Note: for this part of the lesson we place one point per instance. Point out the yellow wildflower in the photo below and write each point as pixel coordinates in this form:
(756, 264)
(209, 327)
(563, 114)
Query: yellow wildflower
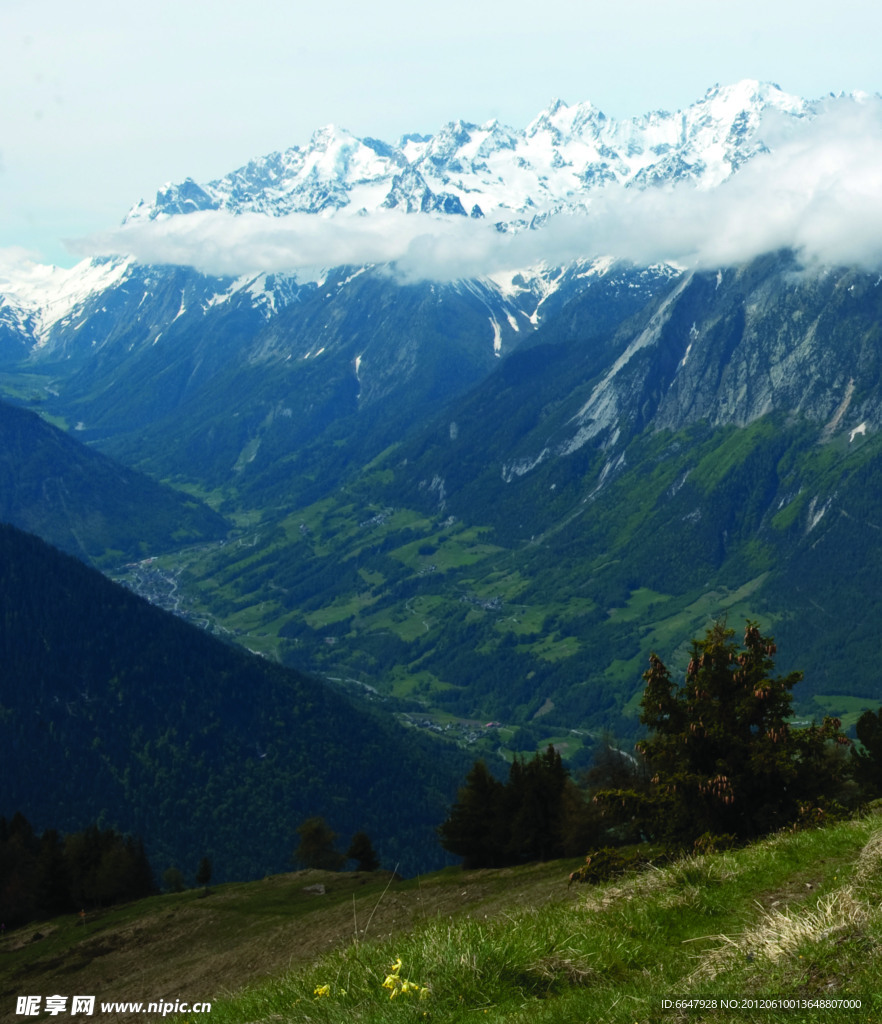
(397, 985)
(322, 990)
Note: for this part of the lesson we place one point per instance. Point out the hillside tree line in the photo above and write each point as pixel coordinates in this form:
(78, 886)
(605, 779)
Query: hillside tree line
(44, 875)
(721, 763)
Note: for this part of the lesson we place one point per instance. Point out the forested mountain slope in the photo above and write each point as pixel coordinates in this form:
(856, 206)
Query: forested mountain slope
(84, 503)
(116, 712)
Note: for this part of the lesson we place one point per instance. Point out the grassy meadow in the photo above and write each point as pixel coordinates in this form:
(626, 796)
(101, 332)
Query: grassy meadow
(795, 917)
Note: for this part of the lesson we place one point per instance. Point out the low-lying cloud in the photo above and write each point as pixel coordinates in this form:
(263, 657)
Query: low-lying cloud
(817, 190)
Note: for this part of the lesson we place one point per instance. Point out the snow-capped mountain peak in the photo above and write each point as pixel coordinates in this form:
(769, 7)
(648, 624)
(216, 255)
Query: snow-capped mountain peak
(563, 161)
(493, 170)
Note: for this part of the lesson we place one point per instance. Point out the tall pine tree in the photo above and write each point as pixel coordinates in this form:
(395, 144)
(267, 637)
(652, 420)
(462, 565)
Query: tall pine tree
(475, 827)
(723, 756)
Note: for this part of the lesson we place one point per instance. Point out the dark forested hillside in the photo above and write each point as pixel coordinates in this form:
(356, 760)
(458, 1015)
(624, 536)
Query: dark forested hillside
(112, 711)
(84, 503)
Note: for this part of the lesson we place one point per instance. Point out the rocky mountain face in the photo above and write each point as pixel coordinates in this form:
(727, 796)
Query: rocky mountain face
(718, 453)
(212, 379)
(730, 347)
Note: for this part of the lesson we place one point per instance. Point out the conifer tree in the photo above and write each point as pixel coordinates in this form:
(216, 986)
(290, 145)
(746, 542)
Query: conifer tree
(361, 850)
(51, 877)
(173, 879)
(613, 768)
(723, 756)
(474, 829)
(867, 762)
(316, 848)
(535, 795)
(537, 815)
(203, 872)
(18, 856)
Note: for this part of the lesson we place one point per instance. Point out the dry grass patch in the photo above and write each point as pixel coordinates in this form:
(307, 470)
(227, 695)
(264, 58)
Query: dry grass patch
(781, 932)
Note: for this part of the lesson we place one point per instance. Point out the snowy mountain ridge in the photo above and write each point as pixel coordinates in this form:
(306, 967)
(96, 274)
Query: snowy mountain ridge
(603, 418)
(510, 176)
(516, 179)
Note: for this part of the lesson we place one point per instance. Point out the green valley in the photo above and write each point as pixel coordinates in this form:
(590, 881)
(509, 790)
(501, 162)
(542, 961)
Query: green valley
(440, 604)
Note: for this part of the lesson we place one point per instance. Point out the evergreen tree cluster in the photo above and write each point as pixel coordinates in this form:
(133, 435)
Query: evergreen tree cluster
(154, 727)
(538, 814)
(317, 848)
(721, 763)
(49, 874)
(86, 504)
(722, 758)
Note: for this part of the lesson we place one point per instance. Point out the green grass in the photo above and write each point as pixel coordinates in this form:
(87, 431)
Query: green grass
(622, 671)
(24, 387)
(740, 443)
(640, 603)
(341, 609)
(522, 620)
(796, 916)
(553, 647)
(506, 584)
(790, 513)
(451, 550)
(687, 616)
(408, 619)
(406, 683)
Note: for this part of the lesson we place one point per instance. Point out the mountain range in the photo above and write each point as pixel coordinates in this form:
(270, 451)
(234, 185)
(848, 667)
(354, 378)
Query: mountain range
(510, 176)
(484, 496)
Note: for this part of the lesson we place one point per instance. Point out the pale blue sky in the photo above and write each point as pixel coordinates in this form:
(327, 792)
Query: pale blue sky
(101, 103)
